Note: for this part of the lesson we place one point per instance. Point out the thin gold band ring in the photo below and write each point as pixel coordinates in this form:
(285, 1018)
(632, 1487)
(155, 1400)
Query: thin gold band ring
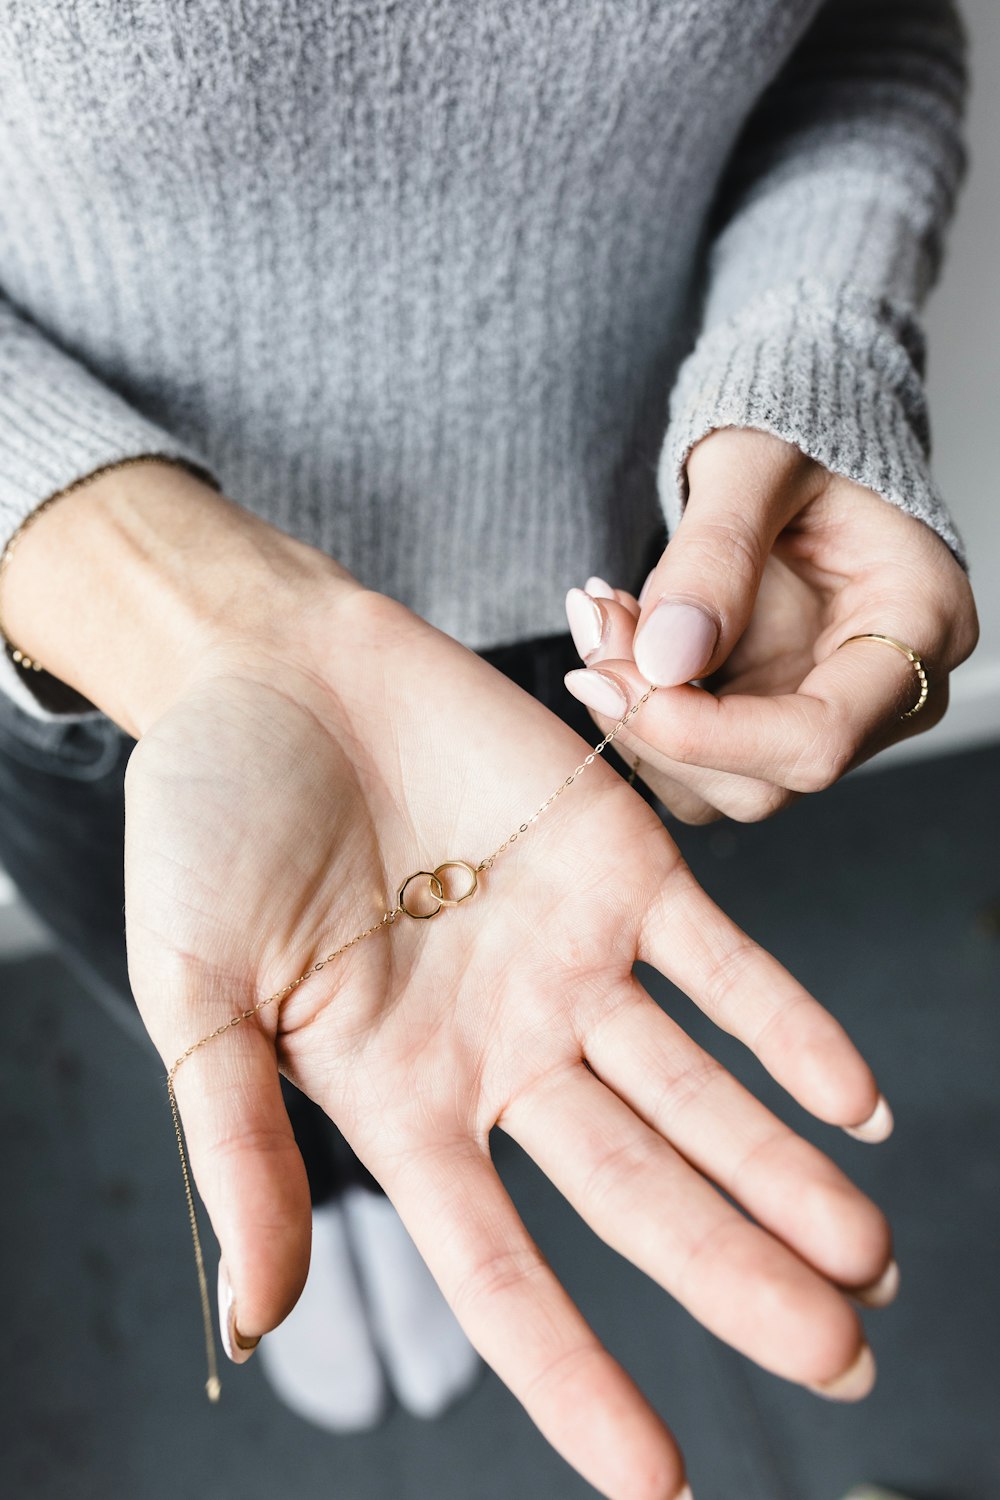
(912, 657)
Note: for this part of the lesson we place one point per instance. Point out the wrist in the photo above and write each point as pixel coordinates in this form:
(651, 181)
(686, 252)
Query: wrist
(126, 587)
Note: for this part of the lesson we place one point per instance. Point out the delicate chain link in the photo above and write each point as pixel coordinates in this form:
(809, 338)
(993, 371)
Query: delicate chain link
(213, 1385)
(487, 863)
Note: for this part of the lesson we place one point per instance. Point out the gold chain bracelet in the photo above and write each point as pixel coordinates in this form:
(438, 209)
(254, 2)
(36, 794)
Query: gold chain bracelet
(436, 886)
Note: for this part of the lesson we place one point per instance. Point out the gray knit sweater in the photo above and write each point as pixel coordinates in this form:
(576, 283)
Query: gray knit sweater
(450, 289)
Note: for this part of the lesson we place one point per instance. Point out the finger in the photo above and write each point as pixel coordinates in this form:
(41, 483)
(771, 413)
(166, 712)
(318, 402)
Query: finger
(722, 795)
(602, 622)
(644, 1200)
(602, 631)
(675, 797)
(847, 707)
(719, 1127)
(749, 994)
(719, 793)
(247, 1168)
(610, 689)
(744, 487)
(599, 588)
(524, 1324)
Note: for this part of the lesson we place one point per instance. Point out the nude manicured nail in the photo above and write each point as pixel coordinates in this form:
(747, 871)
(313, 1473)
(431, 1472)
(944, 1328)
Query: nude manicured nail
(854, 1383)
(685, 1494)
(597, 691)
(675, 644)
(599, 587)
(883, 1291)
(878, 1126)
(238, 1348)
(642, 599)
(586, 623)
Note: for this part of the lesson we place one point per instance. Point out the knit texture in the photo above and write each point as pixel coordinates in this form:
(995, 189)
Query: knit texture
(449, 291)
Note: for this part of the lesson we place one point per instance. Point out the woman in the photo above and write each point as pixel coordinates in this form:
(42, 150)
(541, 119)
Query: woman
(391, 303)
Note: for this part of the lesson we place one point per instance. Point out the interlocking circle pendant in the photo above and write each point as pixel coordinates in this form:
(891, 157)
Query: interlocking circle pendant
(459, 864)
(437, 894)
(436, 887)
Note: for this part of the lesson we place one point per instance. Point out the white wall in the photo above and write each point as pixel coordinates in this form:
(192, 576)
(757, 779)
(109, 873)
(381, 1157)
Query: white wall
(963, 324)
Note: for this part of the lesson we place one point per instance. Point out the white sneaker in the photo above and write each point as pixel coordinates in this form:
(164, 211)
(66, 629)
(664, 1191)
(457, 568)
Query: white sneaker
(321, 1361)
(428, 1359)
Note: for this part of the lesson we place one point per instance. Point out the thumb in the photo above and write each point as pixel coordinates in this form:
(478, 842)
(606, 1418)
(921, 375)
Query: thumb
(251, 1178)
(744, 487)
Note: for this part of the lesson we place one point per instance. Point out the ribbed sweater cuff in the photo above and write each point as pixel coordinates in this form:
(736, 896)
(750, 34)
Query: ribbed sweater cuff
(58, 424)
(835, 372)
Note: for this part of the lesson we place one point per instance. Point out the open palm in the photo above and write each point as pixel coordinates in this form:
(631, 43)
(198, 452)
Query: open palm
(274, 812)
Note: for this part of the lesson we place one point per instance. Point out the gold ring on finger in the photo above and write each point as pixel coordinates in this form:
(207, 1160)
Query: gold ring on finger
(913, 657)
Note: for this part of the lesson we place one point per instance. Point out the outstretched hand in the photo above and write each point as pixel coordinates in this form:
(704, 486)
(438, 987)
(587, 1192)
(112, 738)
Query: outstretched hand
(776, 563)
(273, 811)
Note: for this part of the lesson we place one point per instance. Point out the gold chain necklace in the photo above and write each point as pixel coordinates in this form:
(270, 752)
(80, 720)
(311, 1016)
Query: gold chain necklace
(435, 885)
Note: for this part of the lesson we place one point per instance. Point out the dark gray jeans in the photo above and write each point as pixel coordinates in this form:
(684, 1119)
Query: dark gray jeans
(62, 821)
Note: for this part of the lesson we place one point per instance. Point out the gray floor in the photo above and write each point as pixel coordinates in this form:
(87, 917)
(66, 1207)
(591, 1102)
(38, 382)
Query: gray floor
(882, 895)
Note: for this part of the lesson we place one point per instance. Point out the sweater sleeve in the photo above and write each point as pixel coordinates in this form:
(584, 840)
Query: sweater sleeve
(59, 423)
(826, 237)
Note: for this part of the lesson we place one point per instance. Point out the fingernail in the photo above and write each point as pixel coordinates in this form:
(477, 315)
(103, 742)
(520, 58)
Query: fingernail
(883, 1291)
(238, 1348)
(599, 587)
(586, 622)
(642, 599)
(675, 644)
(597, 691)
(854, 1383)
(878, 1126)
(685, 1494)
